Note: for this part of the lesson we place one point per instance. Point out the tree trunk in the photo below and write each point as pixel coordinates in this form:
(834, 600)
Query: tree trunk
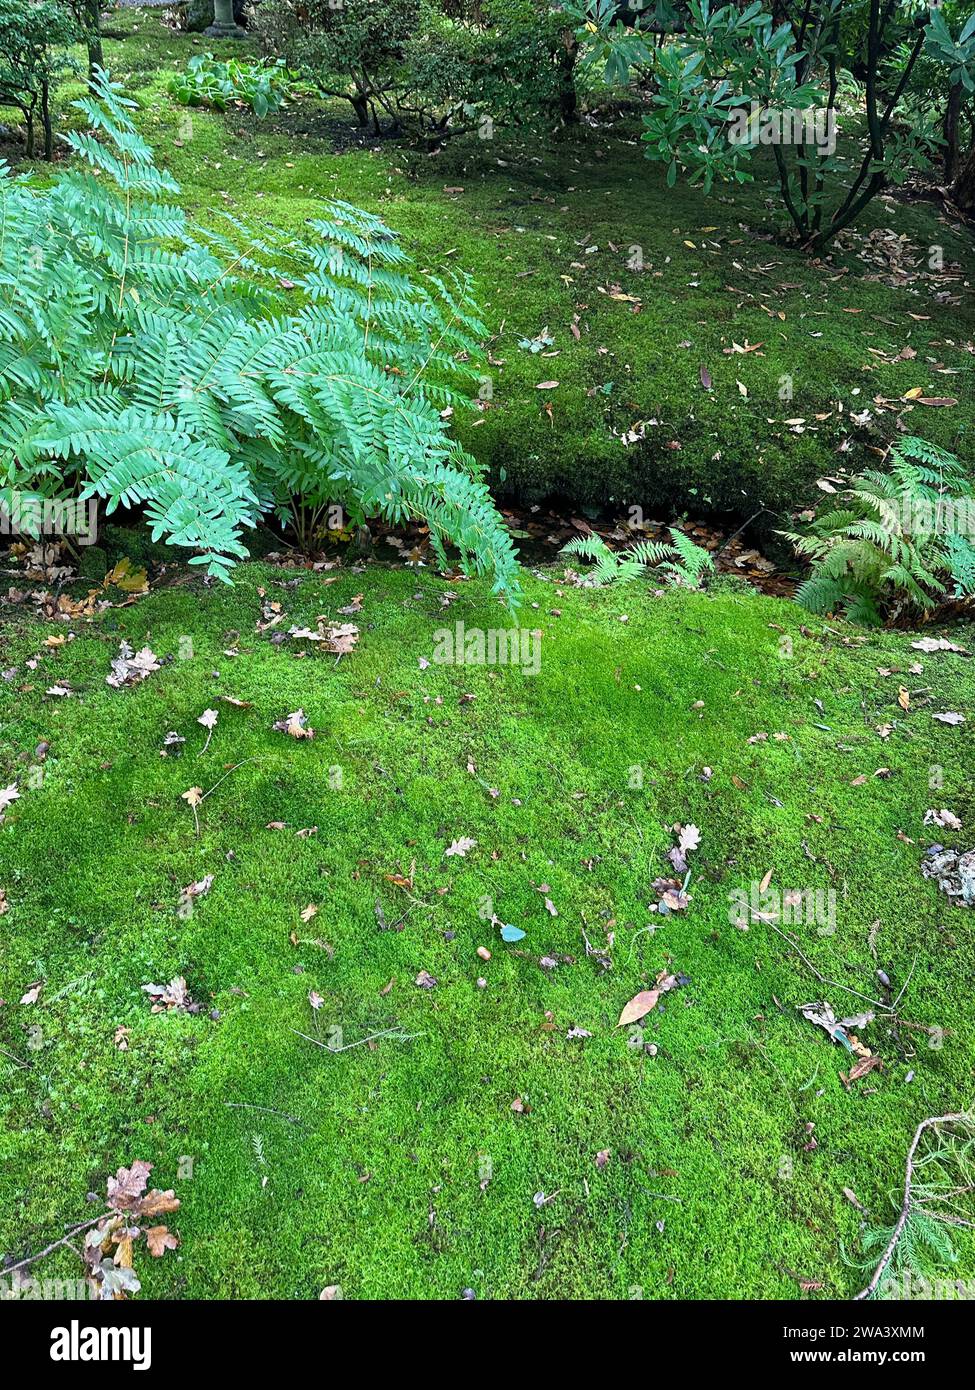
(93, 36)
(360, 105)
(963, 189)
(950, 131)
(568, 99)
(29, 121)
(46, 122)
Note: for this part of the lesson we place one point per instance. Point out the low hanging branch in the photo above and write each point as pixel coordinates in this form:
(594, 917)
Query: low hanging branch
(931, 1123)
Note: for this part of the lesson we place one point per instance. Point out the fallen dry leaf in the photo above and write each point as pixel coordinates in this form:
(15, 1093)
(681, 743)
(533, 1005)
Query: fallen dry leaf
(459, 847)
(639, 1006)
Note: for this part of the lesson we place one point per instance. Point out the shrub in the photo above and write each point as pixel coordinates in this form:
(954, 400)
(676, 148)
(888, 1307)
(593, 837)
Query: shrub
(34, 38)
(427, 70)
(350, 51)
(896, 541)
(136, 365)
(209, 82)
(510, 65)
(775, 61)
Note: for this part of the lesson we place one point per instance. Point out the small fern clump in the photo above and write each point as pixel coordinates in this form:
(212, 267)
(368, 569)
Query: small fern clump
(680, 562)
(149, 363)
(895, 541)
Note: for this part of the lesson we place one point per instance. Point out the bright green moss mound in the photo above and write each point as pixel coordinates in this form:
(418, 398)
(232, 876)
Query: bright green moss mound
(379, 1187)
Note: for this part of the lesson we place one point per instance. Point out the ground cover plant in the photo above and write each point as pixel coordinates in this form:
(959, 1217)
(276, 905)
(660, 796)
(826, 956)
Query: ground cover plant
(142, 375)
(487, 666)
(332, 903)
(208, 82)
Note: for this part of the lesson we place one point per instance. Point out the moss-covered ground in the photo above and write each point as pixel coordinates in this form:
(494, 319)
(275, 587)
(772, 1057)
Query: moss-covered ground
(403, 1168)
(505, 1137)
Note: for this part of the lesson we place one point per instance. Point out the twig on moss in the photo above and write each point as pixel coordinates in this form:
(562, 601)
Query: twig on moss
(55, 1245)
(386, 1033)
(833, 984)
(901, 1222)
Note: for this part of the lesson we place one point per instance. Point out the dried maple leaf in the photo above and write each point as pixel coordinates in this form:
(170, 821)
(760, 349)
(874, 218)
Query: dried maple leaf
(198, 889)
(175, 995)
(341, 638)
(859, 1069)
(157, 1203)
(128, 668)
(126, 1188)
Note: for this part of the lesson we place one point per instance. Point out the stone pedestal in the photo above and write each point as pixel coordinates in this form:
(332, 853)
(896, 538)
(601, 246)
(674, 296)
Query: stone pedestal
(224, 25)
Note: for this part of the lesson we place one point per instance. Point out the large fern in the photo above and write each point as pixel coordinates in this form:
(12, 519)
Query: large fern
(896, 541)
(148, 362)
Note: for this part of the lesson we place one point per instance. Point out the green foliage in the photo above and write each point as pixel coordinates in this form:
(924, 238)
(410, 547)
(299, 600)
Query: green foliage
(431, 69)
(896, 541)
(34, 38)
(939, 1205)
(680, 562)
(352, 51)
(508, 65)
(738, 75)
(207, 81)
(955, 55)
(137, 366)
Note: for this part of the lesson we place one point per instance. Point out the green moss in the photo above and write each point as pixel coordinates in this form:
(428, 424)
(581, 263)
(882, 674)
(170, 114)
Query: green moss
(379, 1186)
(401, 1169)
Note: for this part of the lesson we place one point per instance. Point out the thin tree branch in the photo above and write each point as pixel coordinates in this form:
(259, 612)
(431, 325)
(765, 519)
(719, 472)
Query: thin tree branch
(906, 1207)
